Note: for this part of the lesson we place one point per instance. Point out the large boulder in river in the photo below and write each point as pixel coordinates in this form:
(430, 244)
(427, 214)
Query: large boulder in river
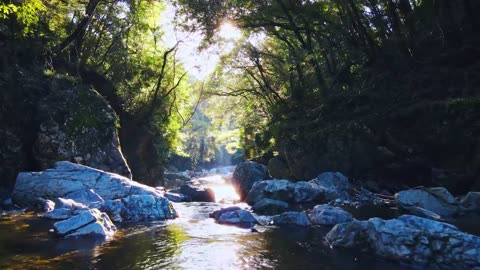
(246, 174)
(437, 200)
(325, 188)
(422, 242)
(88, 223)
(82, 182)
(282, 190)
(329, 215)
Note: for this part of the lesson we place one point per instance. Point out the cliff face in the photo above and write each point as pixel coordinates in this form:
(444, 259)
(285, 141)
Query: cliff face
(49, 118)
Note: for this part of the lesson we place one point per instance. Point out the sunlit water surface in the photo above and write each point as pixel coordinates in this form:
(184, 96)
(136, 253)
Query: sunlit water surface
(192, 241)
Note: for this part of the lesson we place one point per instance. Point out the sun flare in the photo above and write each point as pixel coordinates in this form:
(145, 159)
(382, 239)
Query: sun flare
(229, 31)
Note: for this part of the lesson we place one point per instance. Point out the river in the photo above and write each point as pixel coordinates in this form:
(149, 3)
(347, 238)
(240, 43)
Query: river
(192, 241)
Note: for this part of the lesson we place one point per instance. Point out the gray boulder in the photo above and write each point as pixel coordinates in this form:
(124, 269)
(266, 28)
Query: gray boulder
(65, 208)
(87, 197)
(136, 208)
(307, 192)
(422, 242)
(197, 194)
(471, 202)
(329, 215)
(88, 223)
(234, 216)
(268, 206)
(281, 190)
(246, 174)
(84, 183)
(437, 200)
(334, 184)
(292, 218)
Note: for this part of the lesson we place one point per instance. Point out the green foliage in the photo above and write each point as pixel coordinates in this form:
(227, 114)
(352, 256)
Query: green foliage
(26, 13)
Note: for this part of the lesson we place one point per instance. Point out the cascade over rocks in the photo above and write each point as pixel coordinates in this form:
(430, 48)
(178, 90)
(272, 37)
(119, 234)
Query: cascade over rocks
(437, 200)
(246, 174)
(422, 242)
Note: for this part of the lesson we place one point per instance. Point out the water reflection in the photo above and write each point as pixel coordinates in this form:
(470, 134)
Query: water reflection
(192, 241)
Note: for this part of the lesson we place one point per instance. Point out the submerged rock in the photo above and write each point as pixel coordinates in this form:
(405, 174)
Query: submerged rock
(329, 215)
(234, 216)
(420, 241)
(292, 218)
(268, 206)
(437, 200)
(127, 199)
(246, 174)
(88, 223)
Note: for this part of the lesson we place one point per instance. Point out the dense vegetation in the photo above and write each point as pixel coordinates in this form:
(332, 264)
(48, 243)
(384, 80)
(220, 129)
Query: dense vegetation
(380, 90)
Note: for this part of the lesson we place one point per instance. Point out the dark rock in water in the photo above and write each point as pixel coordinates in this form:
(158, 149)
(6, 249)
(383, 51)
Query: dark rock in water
(234, 216)
(175, 197)
(136, 208)
(197, 194)
(268, 206)
(471, 202)
(128, 200)
(292, 218)
(278, 168)
(246, 174)
(329, 215)
(175, 180)
(420, 241)
(437, 200)
(88, 223)
(335, 185)
(216, 214)
(42, 204)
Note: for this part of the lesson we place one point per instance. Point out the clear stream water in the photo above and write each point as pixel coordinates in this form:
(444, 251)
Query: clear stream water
(192, 241)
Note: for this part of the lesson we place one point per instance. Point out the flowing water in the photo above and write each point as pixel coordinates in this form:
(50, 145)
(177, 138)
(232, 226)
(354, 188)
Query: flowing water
(192, 241)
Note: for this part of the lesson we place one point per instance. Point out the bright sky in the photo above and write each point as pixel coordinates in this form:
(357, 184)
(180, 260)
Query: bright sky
(199, 64)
